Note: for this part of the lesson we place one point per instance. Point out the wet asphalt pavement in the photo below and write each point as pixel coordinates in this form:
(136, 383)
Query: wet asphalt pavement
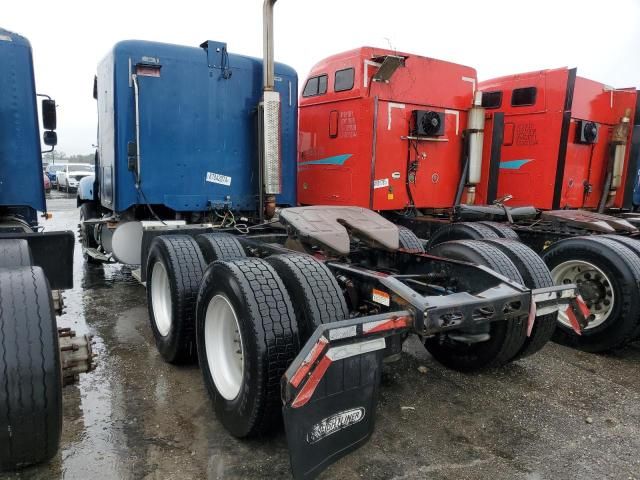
(561, 414)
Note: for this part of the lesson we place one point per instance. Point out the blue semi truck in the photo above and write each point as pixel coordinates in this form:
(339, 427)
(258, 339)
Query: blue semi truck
(288, 310)
(36, 357)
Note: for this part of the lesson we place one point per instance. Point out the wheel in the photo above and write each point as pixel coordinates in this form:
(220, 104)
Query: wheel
(30, 382)
(247, 337)
(506, 337)
(461, 231)
(87, 238)
(501, 229)
(409, 241)
(219, 246)
(608, 277)
(535, 274)
(174, 269)
(15, 253)
(316, 295)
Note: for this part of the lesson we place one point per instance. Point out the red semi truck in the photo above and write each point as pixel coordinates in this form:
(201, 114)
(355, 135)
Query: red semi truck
(557, 134)
(412, 138)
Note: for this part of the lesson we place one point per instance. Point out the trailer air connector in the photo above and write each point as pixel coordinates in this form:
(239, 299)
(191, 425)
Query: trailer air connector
(475, 131)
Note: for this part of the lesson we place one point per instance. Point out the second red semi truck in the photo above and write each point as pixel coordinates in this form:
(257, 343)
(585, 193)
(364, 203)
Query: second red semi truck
(419, 140)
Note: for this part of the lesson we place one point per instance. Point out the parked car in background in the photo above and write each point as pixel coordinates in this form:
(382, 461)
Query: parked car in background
(71, 174)
(47, 183)
(52, 173)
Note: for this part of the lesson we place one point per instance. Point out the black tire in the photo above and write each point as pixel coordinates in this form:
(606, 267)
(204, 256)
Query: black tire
(631, 243)
(15, 253)
(174, 325)
(219, 246)
(621, 266)
(506, 337)
(535, 274)
(88, 211)
(269, 339)
(409, 241)
(461, 231)
(316, 295)
(30, 375)
(502, 230)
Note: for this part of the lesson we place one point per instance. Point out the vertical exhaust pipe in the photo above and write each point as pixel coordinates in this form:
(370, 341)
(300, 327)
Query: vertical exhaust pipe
(269, 109)
(475, 131)
(615, 167)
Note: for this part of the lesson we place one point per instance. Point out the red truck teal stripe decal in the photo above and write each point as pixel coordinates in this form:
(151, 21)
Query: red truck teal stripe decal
(514, 164)
(335, 160)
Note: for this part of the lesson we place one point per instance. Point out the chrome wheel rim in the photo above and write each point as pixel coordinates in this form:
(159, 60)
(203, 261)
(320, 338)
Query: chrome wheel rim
(161, 298)
(224, 348)
(594, 286)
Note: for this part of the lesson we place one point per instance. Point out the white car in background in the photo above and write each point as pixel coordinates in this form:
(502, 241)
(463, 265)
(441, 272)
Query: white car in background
(69, 177)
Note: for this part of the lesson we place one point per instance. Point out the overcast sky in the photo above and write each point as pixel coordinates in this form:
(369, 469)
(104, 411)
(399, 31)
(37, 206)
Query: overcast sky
(69, 37)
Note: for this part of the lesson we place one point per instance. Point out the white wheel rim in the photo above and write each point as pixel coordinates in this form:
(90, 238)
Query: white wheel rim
(594, 286)
(224, 348)
(161, 298)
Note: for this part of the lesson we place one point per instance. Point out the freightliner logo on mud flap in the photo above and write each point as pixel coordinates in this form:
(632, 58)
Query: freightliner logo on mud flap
(335, 423)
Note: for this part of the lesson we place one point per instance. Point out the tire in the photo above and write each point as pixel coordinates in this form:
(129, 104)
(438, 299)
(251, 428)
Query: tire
(631, 243)
(502, 230)
(30, 371)
(619, 268)
(409, 241)
(15, 253)
(247, 401)
(87, 239)
(174, 269)
(219, 246)
(316, 295)
(461, 231)
(506, 337)
(535, 274)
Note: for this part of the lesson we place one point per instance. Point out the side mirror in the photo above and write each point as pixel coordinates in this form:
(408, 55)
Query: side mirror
(50, 138)
(49, 114)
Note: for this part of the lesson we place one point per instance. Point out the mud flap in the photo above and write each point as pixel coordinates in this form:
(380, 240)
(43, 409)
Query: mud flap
(561, 297)
(330, 391)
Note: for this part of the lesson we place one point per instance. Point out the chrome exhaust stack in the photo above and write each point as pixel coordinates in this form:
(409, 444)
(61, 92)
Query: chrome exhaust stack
(269, 121)
(475, 131)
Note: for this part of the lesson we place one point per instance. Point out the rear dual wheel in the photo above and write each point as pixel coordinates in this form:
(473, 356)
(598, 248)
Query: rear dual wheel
(506, 338)
(607, 273)
(535, 274)
(174, 269)
(247, 336)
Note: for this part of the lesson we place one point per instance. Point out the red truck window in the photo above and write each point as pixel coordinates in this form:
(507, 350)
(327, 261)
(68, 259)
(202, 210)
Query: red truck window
(521, 97)
(344, 80)
(492, 99)
(315, 86)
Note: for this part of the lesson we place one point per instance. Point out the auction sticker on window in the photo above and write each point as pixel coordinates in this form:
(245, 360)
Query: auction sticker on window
(217, 178)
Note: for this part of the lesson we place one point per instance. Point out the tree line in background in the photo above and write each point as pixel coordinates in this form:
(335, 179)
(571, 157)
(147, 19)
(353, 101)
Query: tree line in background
(60, 157)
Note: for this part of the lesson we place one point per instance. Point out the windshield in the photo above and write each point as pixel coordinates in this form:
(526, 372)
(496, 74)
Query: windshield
(55, 168)
(81, 168)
